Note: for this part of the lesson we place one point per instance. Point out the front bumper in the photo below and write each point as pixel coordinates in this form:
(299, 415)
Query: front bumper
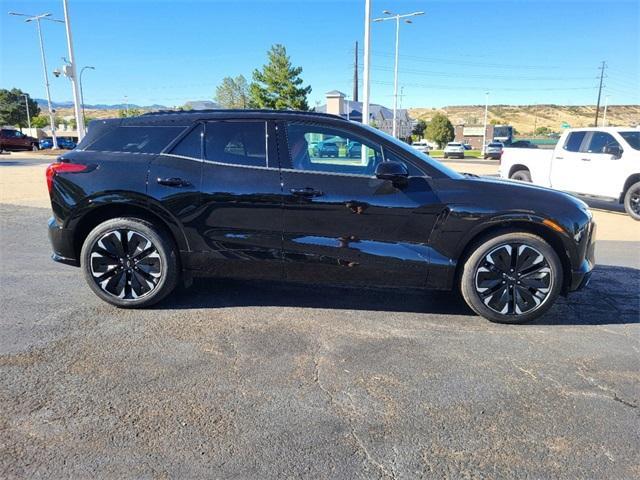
(62, 243)
(581, 276)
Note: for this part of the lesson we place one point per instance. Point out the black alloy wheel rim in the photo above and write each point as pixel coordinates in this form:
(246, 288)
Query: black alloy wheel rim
(125, 264)
(514, 279)
(634, 201)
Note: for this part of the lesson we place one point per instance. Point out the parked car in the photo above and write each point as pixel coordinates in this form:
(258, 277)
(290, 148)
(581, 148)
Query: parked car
(354, 149)
(187, 205)
(454, 150)
(327, 149)
(467, 146)
(13, 140)
(421, 146)
(66, 143)
(493, 150)
(601, 162)
(521, 144)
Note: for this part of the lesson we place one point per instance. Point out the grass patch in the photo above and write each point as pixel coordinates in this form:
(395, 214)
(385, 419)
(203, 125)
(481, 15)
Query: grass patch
(467, 154)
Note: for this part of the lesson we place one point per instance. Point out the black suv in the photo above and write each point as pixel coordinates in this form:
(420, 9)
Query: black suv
(143, 203)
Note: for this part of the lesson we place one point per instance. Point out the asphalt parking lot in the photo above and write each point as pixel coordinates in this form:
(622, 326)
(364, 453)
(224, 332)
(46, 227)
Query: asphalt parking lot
(245, 380)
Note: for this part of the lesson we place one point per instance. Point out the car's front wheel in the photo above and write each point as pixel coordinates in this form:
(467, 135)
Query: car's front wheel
(632, 201)
(512, 277)
(34, 147)
(129, 262)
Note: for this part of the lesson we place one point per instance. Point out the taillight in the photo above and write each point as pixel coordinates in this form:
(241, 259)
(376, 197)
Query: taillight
(62, 167)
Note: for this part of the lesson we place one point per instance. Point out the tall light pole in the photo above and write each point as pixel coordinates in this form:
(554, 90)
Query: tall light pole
(81, 92)
(37, 18)
(72, 74)
(397, 17)
(486, 113)
(604, 116)
(26, 104)
(366, 80)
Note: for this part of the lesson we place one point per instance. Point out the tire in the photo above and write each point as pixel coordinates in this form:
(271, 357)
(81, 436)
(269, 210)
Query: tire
(490, 276)
(521, 175)
(445, 156)
(34, 148)
(135, 284)
(632, 201)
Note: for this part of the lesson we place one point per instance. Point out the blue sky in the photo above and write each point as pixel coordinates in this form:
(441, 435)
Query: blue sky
(168, 52)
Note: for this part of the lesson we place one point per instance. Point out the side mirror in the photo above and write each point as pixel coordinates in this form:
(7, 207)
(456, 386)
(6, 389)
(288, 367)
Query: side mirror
(396, 172)
(614, 150)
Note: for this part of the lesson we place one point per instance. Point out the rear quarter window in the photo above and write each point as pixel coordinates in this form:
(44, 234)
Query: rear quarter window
(136, 139)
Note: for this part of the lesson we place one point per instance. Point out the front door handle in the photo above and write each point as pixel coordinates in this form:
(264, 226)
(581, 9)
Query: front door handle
(306, 192)
(174, 182)
(585, 159)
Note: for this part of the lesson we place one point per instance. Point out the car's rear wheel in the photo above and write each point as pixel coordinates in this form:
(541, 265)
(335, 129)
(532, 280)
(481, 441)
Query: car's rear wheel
(511, 278)
(129, 262)
(632, 201)
(34, 148)
(521, 175)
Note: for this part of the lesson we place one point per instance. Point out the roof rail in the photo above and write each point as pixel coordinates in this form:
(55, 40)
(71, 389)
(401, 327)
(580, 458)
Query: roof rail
(236, 110)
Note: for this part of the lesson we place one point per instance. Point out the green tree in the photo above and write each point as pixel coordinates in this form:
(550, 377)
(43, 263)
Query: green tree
(13, 110)
(131, 112)
(542, 131)
(233, 92)
(40, 121)
(419, 128)
(440, 130)
(278, 85)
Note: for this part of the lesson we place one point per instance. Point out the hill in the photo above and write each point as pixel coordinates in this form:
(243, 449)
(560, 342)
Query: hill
(524, 117)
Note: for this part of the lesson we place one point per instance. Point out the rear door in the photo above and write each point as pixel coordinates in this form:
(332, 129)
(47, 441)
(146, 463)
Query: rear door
(344, 225)
(239, 224)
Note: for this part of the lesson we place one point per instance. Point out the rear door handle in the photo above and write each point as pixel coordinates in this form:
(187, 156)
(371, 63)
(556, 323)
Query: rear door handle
(585, 159)
(306, 192)
(174, 182)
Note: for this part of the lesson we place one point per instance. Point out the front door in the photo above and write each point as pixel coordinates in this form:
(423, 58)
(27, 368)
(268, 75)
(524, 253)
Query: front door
(341, 223)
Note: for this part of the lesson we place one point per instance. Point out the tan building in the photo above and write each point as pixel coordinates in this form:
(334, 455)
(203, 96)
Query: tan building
(379, 116)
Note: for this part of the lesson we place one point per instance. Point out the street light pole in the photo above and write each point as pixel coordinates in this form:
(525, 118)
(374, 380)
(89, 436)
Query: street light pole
(397, 18)
(486, 113)
(72, 75)
(26, 103)
(37, 18)
(365, 77)
(81, 91)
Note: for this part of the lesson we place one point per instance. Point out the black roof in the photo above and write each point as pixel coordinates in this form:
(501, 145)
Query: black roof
(187, 117)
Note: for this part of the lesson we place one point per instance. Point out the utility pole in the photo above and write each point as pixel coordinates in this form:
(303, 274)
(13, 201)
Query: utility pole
(37, 18)
(486, 114)
(77, 101)
(366, 80)
(355, 76)
(602, 67)
(81, 91)
(535, 118)
(26, 103)
(396, 17)
(604, 116)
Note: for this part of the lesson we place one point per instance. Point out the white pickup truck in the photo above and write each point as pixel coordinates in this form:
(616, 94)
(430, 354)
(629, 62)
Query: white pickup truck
(601, 162)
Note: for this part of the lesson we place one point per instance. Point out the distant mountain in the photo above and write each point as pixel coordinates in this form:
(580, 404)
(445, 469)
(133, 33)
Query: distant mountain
(42, 103)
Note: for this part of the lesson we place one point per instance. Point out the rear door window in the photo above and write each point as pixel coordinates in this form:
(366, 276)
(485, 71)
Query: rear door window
(574, 140)
(191, 145)
(136, 139)
(242, 143)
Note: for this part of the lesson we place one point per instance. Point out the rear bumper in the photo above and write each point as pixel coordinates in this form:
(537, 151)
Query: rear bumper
(62, 244)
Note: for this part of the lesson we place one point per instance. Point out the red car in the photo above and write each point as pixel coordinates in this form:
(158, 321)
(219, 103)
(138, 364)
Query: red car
(13, 140)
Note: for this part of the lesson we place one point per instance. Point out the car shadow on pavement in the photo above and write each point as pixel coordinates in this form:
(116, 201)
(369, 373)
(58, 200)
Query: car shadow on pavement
(611, 298)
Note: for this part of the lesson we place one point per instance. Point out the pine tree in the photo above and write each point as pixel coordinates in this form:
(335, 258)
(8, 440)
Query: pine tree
(278, 85)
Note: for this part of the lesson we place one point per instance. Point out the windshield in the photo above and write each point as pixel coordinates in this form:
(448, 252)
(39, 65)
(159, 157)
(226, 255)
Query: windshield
(415, 153)
(453, 145)
(632, 138)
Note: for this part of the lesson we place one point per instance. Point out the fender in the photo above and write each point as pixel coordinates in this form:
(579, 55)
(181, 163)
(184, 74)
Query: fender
(115, 200)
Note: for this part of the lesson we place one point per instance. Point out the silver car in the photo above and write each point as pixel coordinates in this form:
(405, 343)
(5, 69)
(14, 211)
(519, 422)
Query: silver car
(454, 150)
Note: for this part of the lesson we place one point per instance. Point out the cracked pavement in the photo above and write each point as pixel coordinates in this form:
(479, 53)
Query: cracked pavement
(237, 379)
